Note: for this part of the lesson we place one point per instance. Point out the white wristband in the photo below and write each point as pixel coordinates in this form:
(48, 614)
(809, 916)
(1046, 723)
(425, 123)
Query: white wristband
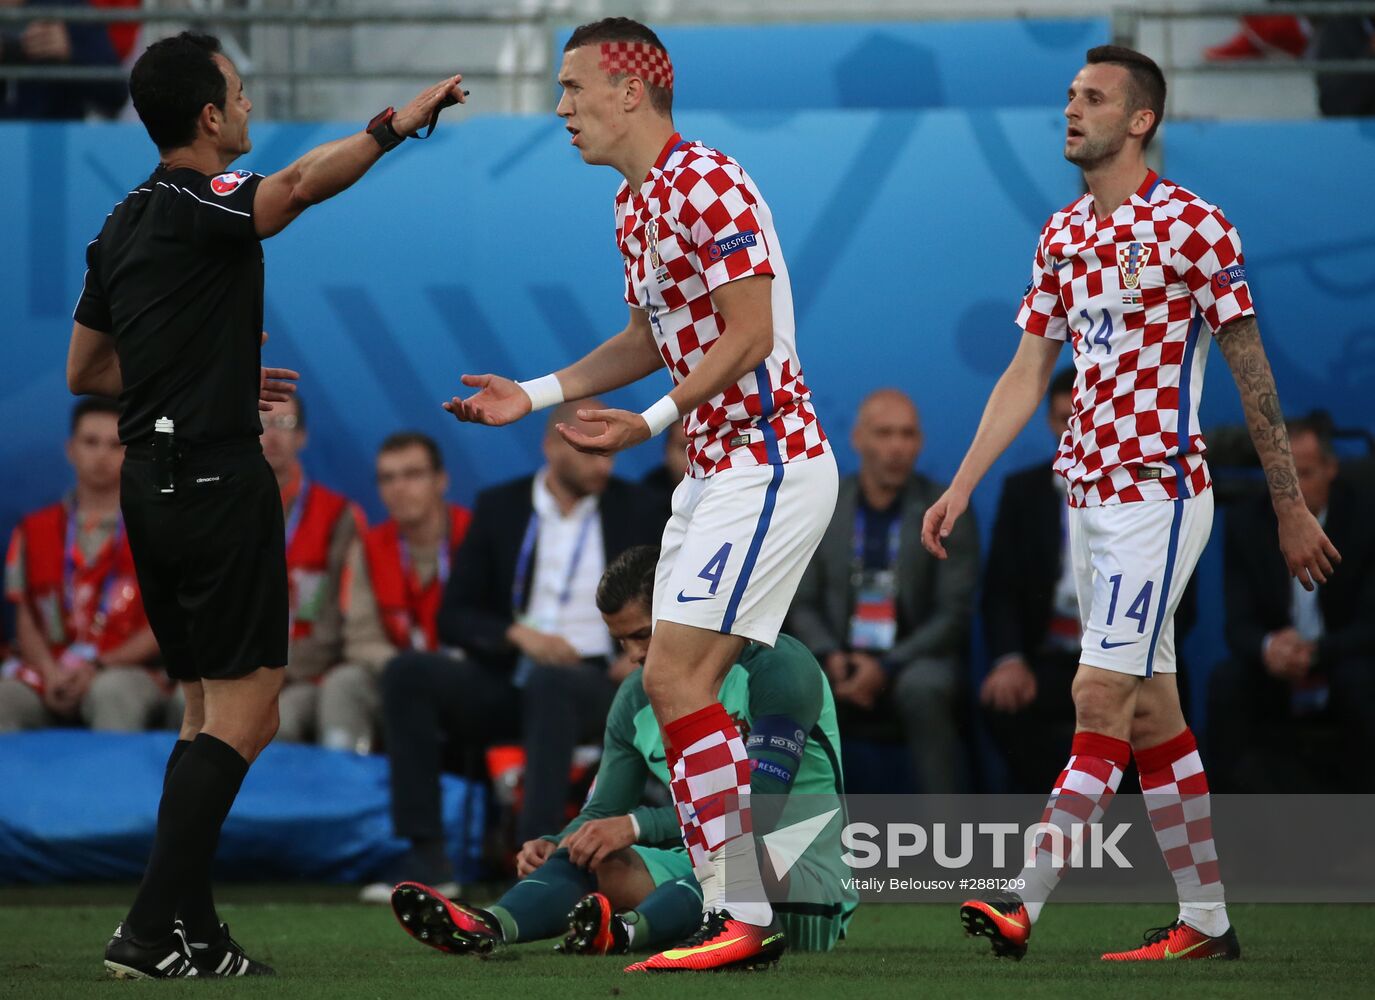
(661, 415)
(635, 825)
(544, 391)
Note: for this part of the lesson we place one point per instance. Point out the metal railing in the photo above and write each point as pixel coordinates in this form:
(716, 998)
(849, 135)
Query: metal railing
(267, 42)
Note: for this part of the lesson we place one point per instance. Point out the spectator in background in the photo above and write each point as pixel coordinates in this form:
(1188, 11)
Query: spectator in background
(58, 43)
(663, 479)
(1031, 615)
(321, 526)
(83, 641)
(1299, 689)
(521, 605)
(888, 621)
(393, 585)
(1348, 37)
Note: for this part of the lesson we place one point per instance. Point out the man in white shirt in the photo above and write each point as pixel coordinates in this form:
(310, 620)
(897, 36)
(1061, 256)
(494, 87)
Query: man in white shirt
(537, 665)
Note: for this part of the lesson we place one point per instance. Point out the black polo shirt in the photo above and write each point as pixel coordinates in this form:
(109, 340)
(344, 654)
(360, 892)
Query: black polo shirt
(176, 277)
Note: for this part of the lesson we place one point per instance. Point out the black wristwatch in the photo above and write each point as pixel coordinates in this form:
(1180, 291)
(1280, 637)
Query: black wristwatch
(380, 128)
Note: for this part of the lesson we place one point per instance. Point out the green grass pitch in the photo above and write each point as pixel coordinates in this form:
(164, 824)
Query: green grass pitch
(326, 946)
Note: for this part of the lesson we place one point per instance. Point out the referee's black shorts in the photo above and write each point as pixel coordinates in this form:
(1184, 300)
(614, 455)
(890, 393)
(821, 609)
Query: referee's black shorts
(211, 559)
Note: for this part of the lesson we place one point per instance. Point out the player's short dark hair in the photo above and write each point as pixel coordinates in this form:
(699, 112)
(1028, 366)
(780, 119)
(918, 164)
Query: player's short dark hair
(1147, 86)
(1062, 383)
(172, 81)
(624, 29)
(412, 439)
(630, 577)
(92, 404)
(1319, 424)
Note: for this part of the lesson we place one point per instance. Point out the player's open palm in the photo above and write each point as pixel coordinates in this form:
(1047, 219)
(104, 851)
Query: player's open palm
(498, 401)
(940, 521)
(622, 429)
(1308, 552)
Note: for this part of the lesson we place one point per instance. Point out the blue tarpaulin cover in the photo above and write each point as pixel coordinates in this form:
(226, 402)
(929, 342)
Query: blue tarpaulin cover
(76, 805)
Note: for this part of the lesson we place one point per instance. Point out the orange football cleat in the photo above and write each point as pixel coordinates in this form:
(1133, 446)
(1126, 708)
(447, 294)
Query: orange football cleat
(722, 942)
(451, 926)
(1179, 940)
(1002, 919)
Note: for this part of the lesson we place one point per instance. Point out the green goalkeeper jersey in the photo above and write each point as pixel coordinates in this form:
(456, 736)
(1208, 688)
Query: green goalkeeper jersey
(779, 698)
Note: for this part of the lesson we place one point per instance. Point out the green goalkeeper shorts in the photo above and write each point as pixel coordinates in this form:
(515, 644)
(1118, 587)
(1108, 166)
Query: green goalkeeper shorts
(665, 864)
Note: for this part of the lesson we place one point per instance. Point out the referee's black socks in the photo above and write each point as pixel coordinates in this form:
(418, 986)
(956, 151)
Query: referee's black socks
(197, 792)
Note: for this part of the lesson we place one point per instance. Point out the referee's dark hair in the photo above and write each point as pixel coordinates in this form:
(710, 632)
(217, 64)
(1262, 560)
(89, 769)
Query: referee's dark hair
(1147, 87)
(172, 82)
(92, 404)
(624, 29)
(412, 439)
(630, 577)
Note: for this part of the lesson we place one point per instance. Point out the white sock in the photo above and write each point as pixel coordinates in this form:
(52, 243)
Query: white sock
(739, 886)
(1210, 918)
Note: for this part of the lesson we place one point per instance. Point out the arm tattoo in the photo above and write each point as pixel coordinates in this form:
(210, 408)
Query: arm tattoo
(1241, 346)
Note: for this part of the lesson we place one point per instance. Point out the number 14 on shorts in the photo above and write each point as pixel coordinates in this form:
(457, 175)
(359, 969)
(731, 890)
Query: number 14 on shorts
(1138, 610)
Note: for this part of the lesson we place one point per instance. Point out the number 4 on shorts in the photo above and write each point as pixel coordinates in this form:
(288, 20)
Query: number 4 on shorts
(716, 568)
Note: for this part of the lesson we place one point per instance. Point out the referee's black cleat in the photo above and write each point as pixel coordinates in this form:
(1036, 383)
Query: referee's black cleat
(1002, 919)
(224, 958)
(169, 958)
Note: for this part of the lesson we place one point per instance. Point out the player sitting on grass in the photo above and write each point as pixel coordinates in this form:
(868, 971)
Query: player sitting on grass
(618, 878)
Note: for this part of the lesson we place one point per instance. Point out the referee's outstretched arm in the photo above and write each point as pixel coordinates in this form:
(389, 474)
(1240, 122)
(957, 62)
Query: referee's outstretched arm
(326, 170)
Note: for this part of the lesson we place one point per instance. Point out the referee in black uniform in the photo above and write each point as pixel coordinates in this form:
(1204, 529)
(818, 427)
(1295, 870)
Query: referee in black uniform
(170, 321)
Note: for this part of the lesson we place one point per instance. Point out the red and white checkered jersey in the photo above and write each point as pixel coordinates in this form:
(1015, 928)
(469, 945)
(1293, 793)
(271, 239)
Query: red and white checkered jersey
(1133, 294)
(696, 223)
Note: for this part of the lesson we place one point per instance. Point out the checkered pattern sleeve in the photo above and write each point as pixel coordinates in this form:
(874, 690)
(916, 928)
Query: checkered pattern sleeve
(621, 210)
(717, 210)
(1208, 259)
(1042, 312)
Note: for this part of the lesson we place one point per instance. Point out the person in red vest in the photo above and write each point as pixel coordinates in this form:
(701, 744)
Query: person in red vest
(321, 526)
(395, 579)
(83, 641)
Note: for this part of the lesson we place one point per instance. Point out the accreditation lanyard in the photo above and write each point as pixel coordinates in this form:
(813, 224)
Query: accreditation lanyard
(298, 509)
(107, 588)
(414, 592)
(520, 585)
(874, 620)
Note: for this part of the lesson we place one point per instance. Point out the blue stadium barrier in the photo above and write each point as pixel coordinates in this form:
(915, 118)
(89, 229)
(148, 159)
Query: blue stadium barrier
(80, 806)
(908, 235)
(890, 65)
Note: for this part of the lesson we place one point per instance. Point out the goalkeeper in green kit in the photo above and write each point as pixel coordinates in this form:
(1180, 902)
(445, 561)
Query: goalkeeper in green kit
(617, 878)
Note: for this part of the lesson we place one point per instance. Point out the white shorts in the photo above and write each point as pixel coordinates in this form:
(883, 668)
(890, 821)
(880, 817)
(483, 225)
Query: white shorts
(737, 543)
(1132, 562)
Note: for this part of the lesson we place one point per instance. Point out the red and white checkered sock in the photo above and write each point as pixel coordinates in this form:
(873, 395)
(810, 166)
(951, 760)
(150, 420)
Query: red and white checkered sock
(1080, 797)
(711, 791)
(1176, 793)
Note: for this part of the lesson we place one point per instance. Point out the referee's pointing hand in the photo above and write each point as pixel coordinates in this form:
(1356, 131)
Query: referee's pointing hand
(416, 115)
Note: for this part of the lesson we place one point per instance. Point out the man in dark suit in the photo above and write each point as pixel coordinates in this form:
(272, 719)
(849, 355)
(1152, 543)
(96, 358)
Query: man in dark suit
(1031, 616)
(889, 621)
(535, 657)
(1298, 694)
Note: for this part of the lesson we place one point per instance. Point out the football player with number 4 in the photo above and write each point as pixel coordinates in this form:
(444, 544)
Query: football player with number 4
(709, 298)
(1137, 275)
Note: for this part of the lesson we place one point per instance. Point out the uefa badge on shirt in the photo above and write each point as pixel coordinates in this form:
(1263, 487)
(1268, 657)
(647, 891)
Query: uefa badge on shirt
(1131, 261)
(874, 621)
